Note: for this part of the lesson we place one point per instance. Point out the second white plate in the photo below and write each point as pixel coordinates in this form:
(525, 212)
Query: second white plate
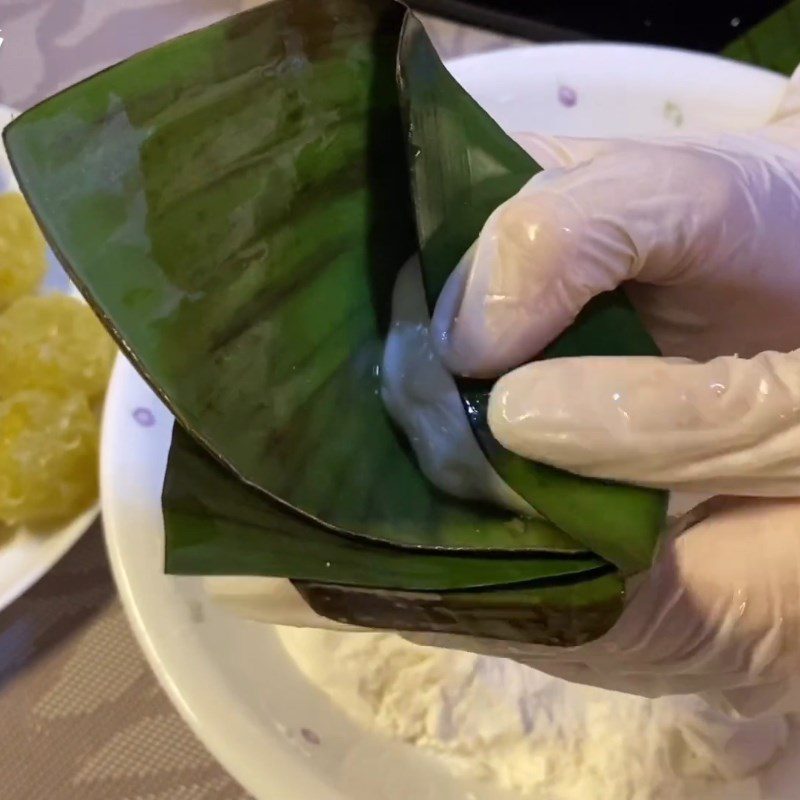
(26, 555)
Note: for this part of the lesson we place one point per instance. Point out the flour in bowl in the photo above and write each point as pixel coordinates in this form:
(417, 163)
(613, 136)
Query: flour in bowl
(497, 721)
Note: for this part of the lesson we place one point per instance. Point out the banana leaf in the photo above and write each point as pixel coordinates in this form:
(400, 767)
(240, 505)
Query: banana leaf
(774, 43)
(218, 527)
(235, 206)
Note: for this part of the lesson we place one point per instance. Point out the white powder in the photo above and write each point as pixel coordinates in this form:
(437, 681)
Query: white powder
(503, 723)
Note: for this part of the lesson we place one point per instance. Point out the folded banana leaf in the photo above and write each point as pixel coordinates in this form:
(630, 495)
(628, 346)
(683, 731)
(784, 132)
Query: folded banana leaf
(235, 204)
(216, 526)
(556, 612)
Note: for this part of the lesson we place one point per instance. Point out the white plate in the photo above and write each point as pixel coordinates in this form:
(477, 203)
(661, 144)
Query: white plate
(230, 679)
(26, 555)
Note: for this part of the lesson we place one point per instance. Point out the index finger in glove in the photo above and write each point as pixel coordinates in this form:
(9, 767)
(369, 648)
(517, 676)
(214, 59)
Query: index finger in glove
(727, 426)
(719, 218)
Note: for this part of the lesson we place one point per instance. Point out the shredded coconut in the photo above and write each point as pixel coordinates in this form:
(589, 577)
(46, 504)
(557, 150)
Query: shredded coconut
(503, 723)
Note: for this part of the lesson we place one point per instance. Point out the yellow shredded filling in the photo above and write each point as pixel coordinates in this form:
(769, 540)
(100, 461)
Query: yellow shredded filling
(55, 360)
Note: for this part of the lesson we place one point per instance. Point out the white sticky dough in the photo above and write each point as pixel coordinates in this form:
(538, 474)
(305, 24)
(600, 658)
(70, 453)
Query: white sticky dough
(422, 397)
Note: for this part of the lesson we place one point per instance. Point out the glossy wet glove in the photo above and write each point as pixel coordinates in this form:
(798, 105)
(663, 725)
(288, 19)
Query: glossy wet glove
(704, 233)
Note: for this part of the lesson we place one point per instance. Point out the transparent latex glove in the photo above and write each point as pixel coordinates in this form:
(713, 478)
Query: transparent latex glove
(704, 233)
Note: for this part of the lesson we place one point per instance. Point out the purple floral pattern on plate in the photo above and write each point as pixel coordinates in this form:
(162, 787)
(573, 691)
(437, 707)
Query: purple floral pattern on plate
(567, 96)
(144, 417)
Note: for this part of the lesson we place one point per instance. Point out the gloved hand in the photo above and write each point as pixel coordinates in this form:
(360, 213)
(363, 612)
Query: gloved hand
(704, 233)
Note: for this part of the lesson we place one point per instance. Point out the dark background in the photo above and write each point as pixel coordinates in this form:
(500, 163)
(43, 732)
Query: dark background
(707, 25)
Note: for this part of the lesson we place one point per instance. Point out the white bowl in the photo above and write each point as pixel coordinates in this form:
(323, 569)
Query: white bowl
(231, 679)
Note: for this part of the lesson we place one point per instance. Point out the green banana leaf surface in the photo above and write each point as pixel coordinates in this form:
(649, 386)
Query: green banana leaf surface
(774, 43)
(232, 529)
(235, 205)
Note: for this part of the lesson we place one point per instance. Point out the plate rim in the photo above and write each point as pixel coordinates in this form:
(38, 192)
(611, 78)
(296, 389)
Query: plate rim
(615, 48)
(213, 737)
